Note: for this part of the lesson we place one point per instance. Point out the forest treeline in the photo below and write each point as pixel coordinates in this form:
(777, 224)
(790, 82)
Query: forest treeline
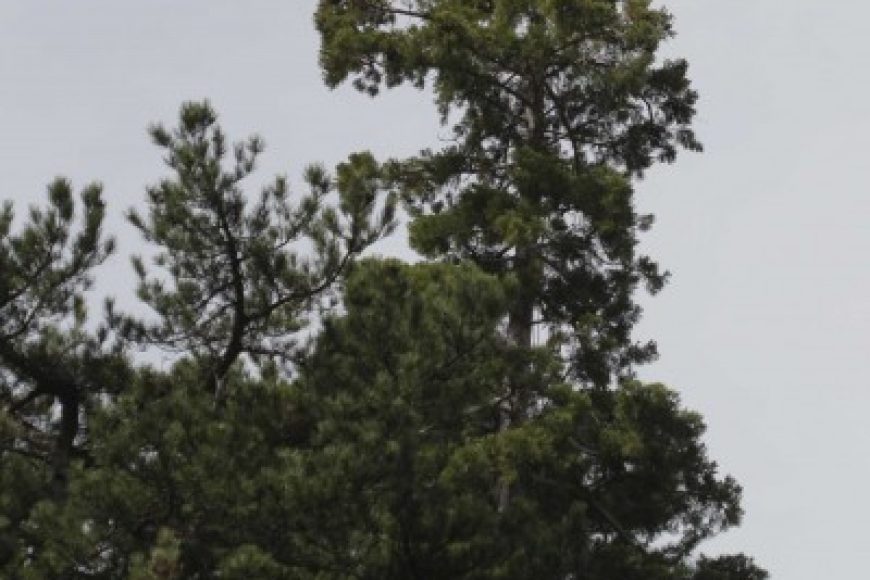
(335, 415)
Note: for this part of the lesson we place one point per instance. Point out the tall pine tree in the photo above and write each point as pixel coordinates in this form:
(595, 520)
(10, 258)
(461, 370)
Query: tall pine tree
(554, 106)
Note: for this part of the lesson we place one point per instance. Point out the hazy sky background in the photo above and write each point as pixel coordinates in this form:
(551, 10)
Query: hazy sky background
(763, 328)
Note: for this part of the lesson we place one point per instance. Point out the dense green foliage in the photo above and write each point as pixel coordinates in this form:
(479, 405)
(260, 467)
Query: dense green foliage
(407, 389)
(553, 104)
(331, 417)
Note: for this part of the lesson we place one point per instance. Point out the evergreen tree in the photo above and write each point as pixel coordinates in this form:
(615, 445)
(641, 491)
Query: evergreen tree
(52, 370)
(554, 106)
(403, 392)
(109, 469)
(237, 284)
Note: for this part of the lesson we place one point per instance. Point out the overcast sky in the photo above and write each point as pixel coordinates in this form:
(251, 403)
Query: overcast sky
(764, 326)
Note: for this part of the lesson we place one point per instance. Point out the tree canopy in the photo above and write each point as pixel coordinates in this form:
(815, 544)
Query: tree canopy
(553, 106)
(333, 416)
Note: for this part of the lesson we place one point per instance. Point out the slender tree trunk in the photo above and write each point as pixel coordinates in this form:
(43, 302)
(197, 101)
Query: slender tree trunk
(62, 455)
(520, 320)
(527, 270)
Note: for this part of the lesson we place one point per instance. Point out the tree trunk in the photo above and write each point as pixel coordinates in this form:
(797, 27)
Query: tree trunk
(62, 455)
(526, 269)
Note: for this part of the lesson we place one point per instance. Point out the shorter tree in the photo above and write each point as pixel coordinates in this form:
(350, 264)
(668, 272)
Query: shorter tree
(406, 449)
(99, 456)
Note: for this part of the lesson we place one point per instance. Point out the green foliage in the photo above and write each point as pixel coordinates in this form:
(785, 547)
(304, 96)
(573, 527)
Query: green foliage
(420, 432)
(586, 69)
(553, 106)
(51, 368)
(400, 388)
(46, 268)
(405, 391)
(171, 461)
(163, 563)
(233, 280)
(728, 568)
(98, 455)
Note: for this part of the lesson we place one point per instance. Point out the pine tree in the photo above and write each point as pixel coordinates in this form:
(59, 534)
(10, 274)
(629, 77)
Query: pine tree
(403, 394)
(555, 106)
(52, 369)
(238, 285)
(552, 105)
(112, 468)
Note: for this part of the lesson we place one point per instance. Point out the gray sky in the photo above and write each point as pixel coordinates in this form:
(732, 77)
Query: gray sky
(763, 326)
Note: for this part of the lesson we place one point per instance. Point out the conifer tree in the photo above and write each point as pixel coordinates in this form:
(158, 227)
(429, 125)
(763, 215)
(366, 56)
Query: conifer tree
(52, 370)
(554, 106)
(111, 469)
(403, 394)
(237, 283)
